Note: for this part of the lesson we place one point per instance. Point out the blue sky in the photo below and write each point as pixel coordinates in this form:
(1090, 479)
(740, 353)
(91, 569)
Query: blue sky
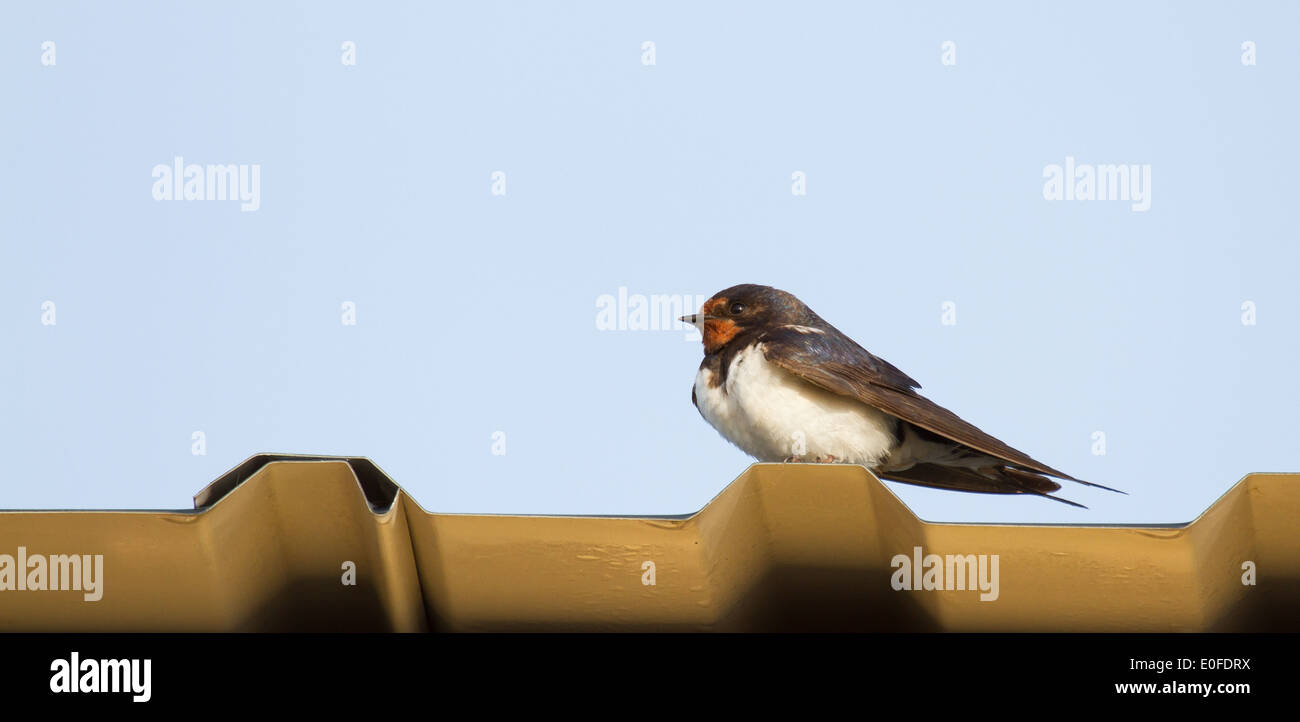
(476, 313)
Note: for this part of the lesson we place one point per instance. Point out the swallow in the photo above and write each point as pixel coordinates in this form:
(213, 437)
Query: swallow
(784, 385)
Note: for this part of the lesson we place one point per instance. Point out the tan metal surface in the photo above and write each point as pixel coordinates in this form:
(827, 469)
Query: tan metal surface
(784, 547)
(267, 557)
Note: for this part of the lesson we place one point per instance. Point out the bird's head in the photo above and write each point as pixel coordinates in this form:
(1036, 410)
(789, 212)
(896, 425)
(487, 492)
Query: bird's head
(747, 307)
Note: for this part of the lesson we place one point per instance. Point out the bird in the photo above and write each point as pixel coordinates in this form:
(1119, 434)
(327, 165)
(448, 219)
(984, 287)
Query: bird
(784, 385)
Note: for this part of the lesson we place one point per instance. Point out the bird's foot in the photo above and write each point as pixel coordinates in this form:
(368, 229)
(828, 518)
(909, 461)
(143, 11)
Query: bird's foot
(828, 459)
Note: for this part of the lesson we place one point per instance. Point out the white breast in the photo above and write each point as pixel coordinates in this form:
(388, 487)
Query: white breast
(773, 415)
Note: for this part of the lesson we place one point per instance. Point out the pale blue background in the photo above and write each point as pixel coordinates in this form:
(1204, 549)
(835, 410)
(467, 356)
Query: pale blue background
(476, 313)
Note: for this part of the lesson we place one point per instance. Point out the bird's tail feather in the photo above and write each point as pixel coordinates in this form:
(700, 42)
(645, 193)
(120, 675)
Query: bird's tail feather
(989, 480)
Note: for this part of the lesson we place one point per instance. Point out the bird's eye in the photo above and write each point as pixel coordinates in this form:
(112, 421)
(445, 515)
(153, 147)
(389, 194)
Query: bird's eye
(737, 309)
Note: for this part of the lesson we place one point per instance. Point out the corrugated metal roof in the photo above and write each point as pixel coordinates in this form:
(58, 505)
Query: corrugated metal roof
(783, 547)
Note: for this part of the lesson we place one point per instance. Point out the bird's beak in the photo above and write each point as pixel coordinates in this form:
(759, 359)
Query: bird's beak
(695, 319)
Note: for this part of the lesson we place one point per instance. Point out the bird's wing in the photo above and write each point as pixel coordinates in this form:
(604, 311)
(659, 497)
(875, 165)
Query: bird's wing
(836, 363)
